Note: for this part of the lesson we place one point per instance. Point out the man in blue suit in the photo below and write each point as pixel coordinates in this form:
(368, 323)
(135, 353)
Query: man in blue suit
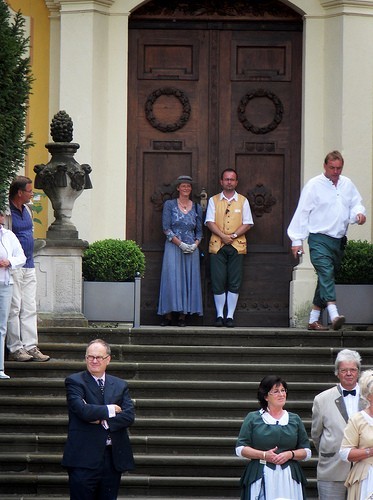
(98, 448)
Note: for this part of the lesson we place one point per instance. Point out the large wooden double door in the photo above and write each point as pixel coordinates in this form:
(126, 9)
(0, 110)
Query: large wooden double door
(204, 97)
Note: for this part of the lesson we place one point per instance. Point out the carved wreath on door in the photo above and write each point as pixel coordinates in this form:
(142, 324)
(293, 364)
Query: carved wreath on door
(279, 111)
(168, 91)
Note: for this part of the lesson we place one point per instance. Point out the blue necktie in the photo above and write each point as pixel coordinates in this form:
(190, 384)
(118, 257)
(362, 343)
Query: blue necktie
(346, 393)
(101, 385)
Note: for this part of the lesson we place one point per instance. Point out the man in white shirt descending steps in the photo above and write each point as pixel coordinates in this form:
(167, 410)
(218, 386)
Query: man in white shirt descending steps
(328, 203)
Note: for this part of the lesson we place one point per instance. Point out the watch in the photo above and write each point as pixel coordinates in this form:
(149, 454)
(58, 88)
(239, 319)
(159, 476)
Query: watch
(234, 235)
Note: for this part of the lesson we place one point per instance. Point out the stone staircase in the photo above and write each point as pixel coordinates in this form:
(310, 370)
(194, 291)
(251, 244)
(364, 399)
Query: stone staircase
(192, 389)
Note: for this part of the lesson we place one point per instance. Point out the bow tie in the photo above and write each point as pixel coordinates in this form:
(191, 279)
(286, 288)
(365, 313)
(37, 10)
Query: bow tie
(346, 393)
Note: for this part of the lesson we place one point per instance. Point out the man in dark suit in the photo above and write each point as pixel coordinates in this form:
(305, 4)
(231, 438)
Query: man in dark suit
(98, 448)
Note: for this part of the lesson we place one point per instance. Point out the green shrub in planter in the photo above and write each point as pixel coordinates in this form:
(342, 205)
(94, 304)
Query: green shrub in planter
(113, 260)
(357, 264)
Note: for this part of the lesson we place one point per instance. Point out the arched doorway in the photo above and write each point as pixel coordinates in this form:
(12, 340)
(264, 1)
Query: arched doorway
(214, 84)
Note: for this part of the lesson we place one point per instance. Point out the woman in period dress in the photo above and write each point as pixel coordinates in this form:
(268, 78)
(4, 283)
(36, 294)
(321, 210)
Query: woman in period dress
(357, 445)
(180, 289)
(274, 441)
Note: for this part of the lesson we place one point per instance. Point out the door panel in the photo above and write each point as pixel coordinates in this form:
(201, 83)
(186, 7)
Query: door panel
(201, 100)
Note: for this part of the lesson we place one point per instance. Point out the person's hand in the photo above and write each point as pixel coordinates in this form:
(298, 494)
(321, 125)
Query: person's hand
(117, 408)
(271, 455)
(227, 239)
(360, 219)
(4, 263)
(192, 247)
(297, 251)
(185, 248)
(278, 458)
(283, 457)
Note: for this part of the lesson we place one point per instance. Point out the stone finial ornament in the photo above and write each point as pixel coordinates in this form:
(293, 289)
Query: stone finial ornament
(62, 179)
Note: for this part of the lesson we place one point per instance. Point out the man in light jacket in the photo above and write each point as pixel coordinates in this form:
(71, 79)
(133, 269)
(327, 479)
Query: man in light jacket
(330, 413)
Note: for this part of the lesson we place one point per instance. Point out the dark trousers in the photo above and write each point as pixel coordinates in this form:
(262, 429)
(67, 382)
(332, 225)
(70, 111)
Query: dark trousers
(226, 270)
(95, 484)
(326, 255)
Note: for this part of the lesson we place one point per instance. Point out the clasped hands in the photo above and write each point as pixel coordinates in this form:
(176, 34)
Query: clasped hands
(277, 458)
(185, 248)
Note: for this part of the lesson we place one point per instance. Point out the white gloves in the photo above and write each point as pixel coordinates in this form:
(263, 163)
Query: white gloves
(185, 248)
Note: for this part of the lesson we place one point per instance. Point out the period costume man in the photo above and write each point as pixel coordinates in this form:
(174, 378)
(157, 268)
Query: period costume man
(328, 203)
(229, 218)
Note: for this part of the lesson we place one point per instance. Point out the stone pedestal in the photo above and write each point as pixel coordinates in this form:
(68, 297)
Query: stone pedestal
(58, 267)
(302, 289)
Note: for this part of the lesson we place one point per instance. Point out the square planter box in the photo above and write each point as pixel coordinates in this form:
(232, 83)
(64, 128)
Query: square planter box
(356, 303)
(112, 301)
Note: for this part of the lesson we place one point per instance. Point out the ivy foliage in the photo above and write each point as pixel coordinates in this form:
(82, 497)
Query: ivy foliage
(15, 87)
(357, 264)
(113, 260)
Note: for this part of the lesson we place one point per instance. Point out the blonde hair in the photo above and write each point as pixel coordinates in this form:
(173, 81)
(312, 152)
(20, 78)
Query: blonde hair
(366, 384)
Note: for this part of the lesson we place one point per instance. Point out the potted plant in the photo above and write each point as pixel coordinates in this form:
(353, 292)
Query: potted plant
(112, 271)
(354, 283)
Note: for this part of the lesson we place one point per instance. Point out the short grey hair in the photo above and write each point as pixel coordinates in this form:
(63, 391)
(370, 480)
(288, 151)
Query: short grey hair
(346, 355)
(102, 342)
(366, 384)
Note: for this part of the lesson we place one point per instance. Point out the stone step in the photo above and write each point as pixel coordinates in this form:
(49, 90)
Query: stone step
(153, 464)
(192, 389)
(349, 337)
(143, 426)
(158, 388)
(180, 444)
(183, 444)
(205, 353)
(132, 486)
(178, 371)
(150, 407)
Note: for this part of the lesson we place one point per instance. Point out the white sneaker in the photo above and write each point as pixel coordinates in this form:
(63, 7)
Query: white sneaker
(3, 375)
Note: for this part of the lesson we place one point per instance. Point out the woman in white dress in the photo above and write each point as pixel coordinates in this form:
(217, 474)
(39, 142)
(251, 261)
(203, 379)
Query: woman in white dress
(357, 445)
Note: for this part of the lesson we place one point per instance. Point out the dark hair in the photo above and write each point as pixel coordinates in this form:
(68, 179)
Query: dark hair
(228, 170)
(19, 182)
(266, 385)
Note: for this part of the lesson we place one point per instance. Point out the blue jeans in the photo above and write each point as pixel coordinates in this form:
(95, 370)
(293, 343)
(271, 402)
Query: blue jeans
(6, 292)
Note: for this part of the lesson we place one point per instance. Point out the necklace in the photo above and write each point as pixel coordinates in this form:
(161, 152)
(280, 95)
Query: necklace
(184, 208)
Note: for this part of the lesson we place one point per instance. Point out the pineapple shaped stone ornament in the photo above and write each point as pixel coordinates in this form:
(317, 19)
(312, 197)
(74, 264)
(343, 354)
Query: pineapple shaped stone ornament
(63, 179)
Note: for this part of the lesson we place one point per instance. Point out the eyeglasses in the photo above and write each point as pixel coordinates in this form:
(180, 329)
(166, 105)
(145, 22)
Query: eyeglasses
(346, 370)
(26, 191)
(96, 358)
(278, 392)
